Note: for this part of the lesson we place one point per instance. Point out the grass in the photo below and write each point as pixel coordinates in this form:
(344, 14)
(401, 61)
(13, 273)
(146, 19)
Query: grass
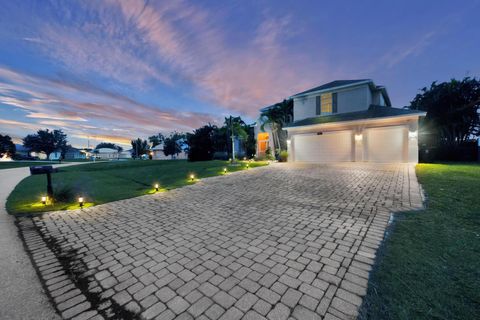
(19, 164)
(429, 267)
(109, 181)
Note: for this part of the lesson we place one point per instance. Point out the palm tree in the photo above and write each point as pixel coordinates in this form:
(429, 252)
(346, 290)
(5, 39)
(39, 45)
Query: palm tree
(276, 117)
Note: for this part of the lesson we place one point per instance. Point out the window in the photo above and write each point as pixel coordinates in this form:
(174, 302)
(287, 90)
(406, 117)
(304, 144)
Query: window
(326, 103)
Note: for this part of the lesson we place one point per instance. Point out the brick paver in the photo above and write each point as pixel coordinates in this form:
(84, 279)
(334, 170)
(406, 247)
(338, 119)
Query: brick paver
(287, 241)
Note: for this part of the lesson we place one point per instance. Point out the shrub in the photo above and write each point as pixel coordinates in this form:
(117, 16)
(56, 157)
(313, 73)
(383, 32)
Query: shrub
(63, 193)
(268, 154)
(283, 157)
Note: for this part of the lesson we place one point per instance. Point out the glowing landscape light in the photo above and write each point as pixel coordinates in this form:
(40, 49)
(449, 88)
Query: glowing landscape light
(156, 186)
(80, 202)
(44, 200)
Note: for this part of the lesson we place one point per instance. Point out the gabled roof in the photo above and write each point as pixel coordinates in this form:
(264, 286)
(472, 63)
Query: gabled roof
(333, 85)
(373, 112)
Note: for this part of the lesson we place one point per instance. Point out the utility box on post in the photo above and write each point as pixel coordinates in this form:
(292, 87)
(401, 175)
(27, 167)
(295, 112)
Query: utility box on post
(48, 170)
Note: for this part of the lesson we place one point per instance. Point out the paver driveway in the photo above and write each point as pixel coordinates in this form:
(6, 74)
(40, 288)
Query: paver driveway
(275, 242)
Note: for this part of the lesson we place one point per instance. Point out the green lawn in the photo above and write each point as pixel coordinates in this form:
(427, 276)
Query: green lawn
(18, 164)
(109, 181)
(429, 267)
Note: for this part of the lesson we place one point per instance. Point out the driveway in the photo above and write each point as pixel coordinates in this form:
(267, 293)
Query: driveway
(281, 241)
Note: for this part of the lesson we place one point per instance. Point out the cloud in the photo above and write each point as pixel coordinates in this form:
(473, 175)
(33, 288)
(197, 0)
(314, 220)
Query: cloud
(78, 107)
(398, 54)
(181, 45)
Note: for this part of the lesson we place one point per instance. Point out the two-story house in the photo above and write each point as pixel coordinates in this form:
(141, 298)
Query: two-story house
(350, 120)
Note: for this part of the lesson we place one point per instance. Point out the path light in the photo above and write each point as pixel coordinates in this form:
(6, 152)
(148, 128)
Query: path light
(225, 170)
(44, 200)
(192, 177)
(80, 202)
(156, 186)
(248, 165)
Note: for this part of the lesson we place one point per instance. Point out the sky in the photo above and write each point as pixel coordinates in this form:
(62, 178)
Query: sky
(116, 70)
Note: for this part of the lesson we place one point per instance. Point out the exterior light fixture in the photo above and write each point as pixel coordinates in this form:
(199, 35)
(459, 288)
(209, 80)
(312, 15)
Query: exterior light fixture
(44, 200)
(192, 177)
(248, 165)
(358, 137)
(289, 141)
(225, 170)
(156, 186)
(412, 134)
(244, 158)
(80, 202)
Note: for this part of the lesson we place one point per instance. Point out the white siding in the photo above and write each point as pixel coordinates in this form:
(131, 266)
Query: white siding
(304, 107)
(355, 99)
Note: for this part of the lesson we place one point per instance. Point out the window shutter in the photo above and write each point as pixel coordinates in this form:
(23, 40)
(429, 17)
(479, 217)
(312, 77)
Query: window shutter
(334, 102)
(318, 105)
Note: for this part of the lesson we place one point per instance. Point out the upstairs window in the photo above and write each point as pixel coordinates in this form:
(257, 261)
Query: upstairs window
(326, 104)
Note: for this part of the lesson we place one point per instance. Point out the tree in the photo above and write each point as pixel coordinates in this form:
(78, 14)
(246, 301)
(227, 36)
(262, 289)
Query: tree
(452, 111)
(109, 145)
(276, 117)
(7, 146)
(173, 144)
(155, 140)
(200, 143)
(139, 147)
(235, 128)
(46, 141)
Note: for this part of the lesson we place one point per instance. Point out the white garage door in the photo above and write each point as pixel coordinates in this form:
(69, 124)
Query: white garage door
(385, 144)
(328, 147)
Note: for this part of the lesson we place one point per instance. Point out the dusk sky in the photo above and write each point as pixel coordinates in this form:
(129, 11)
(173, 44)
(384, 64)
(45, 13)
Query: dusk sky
(117, 70)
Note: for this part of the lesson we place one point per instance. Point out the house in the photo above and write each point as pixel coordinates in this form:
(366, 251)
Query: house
(74, 153)
(157, 154)
(348, 120)
(106, 153)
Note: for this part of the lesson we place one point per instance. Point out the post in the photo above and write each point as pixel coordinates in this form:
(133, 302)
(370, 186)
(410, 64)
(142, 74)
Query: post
(233, 142)
(49, 186)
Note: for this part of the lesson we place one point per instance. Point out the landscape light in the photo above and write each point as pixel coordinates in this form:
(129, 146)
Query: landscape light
(80, 202)
(225, 170)
(44, 200)
(192, 177)
(156, 186)
(244, 158)
(248, 165)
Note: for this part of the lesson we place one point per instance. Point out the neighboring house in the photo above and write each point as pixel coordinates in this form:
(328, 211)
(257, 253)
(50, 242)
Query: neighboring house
(349, 120)
(125, 154)
(74, 153)
(55, 155)
(21, 151)
(157, 154)
(106, 153)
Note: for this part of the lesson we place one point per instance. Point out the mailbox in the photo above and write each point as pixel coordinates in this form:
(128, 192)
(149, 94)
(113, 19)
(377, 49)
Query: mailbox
(42, 170)
(45, 170)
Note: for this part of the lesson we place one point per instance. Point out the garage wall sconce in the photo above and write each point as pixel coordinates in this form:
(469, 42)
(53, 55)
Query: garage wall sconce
(412, 134)
(358, 137)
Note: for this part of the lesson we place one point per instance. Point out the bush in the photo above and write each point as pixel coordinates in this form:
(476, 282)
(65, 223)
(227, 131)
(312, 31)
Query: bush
(63, 193)
(283, 156)
(269, 155)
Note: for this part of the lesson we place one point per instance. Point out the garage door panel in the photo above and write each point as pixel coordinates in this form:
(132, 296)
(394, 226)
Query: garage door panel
(385, 144)
(328, 147)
